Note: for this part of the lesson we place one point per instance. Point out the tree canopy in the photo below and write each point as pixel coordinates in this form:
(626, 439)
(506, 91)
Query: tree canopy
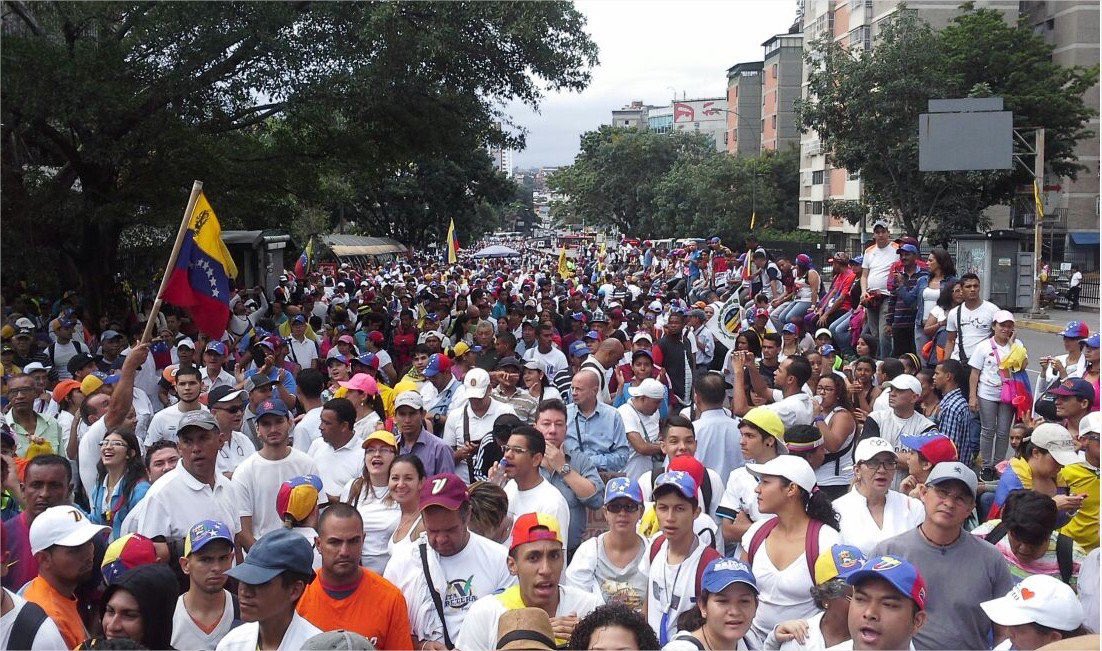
(865, 108)
(286, 110)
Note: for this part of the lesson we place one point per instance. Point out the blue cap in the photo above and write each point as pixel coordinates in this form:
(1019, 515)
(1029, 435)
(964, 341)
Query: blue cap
(680, 480)
(722, 572)
(826, 349)
(579, 349)
(1090, 342)
(111, 379)
(592, 334)
(907, 248)
(217, 347)
(271, 406)
(278, 551)
(1076, 330)
(437, 364)
(298, 318)
(367, 359)
(578, 316)
(618, 487)
(791, 328)
(205, 532)
(899, 573)
(858, 260)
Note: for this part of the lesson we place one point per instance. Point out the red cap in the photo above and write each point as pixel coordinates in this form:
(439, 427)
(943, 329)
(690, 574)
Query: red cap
(446, 490)
(689, 464)
(533, 527)
(375, 337)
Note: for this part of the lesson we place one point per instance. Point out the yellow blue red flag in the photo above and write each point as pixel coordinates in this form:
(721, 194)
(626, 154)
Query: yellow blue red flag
(200, 281)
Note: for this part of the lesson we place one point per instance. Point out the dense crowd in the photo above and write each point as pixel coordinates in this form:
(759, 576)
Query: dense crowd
(632, 448)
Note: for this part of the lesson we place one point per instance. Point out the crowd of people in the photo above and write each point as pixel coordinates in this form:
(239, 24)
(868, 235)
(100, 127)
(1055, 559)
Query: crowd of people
(522, 454)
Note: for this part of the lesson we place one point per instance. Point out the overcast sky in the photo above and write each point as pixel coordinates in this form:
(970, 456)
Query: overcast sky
(649, 50)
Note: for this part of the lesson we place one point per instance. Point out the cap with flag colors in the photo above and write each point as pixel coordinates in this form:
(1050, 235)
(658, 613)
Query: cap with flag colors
(534, 527)
(126, 553)
(200, 279)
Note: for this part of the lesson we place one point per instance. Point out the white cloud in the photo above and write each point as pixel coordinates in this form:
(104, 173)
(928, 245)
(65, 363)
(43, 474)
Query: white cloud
(649, 51)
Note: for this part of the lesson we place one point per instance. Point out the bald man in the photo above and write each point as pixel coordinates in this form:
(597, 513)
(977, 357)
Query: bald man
(609, 353)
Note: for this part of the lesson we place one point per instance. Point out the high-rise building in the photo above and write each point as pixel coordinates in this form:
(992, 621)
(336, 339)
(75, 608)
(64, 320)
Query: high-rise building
(781, 82)
(502, 158)
(744, 116)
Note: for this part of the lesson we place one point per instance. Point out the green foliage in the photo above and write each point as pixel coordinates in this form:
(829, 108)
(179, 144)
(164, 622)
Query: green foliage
(286, 110)
(659, 185)
(866, 107)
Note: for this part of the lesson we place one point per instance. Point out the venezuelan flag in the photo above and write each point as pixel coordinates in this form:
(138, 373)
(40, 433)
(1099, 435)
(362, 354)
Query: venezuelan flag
(200, 280)
(302, 266)
(453, 244)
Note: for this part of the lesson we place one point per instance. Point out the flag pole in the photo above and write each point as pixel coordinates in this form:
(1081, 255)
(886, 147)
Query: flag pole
(196, 189)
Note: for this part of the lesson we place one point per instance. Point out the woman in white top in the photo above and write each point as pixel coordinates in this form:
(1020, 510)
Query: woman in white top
(615, 563)
(837, 425)
(928, 289)
(872, 512)
(950, 295)
(536, 382)
(721, 620)
(985, 387)
(363, 391)
(778, 557)
(831, 594)
(370, 495)
(407, 474)
(804, 295)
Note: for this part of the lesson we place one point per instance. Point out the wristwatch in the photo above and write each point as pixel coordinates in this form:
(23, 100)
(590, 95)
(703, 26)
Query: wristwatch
(565, 470)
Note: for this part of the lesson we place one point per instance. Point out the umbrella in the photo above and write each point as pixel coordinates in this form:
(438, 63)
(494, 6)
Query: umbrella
(497, 251)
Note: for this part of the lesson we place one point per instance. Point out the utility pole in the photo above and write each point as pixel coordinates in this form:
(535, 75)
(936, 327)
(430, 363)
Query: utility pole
(1038, 217)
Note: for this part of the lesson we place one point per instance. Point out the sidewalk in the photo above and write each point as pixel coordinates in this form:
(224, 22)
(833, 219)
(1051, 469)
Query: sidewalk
(1059, 319)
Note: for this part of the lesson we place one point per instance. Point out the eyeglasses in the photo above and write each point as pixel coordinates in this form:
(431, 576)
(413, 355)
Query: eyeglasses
(886, 465)
(21, 390)
(514, 449)
(378, 452)
(231, 410)
(961, 499)
(622, 507)
(112, 444)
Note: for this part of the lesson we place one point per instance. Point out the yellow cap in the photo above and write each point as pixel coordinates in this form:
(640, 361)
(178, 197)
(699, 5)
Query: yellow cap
(381, 435)
(768, 421)
(90, 384)
(839, 560)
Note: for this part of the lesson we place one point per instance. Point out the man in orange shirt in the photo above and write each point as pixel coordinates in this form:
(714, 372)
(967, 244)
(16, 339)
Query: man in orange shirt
(61, 541)
(347, 596)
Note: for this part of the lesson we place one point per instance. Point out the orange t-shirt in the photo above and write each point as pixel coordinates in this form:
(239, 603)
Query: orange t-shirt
(375, 610)
(61, 609)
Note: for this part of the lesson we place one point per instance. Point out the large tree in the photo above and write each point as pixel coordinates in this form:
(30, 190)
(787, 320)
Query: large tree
(283, 108)
(865, 107)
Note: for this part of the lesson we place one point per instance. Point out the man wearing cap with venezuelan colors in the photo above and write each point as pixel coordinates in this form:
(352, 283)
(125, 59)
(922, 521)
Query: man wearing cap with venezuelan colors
(205, 613)
(889, 605)
(536, 557)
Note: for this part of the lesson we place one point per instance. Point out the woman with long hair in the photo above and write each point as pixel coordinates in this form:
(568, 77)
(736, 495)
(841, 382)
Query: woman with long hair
(363, 391)
(927, 290)
(120, 481)
(836, 423)
(950, 295)
(774, 548)
(727, 605)
(407, 474)
(537, 383)
(805, 291)
(929, 401)
(370, 495)
(872, 512)
(139, 606)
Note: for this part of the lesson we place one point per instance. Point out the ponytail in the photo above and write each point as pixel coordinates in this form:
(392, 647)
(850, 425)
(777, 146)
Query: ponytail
(819, 508)
(692, 619)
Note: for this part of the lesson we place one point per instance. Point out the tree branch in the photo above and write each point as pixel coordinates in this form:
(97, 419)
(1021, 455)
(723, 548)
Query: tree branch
(20, 8)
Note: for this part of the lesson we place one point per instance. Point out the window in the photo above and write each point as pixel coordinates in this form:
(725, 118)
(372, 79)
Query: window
(816, 207)
(736, 91)
(773, 121)
(817, 177)
(773, 70)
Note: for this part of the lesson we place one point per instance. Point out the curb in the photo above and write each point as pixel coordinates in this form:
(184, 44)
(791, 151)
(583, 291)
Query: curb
(1041, 326)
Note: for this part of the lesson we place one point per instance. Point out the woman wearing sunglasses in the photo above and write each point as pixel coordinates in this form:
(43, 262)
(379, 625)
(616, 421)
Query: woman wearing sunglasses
(615, 563)
(120, 481)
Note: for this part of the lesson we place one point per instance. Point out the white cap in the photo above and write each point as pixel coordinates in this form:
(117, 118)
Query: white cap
(870, 447)
(62, 525)
(793, 468)
(185, 342)
(655, 306)
(1056, 440)
(477, 382)
(1039, 599)
(648, 388)
(35, 366)
(1091, 423)
(409, 399)
(642, 336)
(905, 382)
(1002, 316)
(24, 322)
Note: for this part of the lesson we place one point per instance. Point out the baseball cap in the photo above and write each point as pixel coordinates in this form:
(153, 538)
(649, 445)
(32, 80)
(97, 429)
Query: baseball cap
(534, 527)
(880, 223)
(1091, 424)
(641, 336)
(899, 573)
(1074, 387)
(368, 359)
(23, 332)
(648, 388)
(126, 553)
(934, 447)
(1039, 599)
(509, 362)
(723, 572)
(225, 394)
(837, 562)
(271, 406)
(1056, 440)
(870, 447)
(826, 350)
(790, 328)
(802, 439)
(347, 339)
(361, 382)
(337, 640)
(857, 260)
(525, 628)
(823, 332)
(460, 349)
(298, 497)
(109, 334)
(334, 355)
(375, 337)
(200, 418)
(794, 469)
(205, 532)
(1002, 316)
(1076, 330)
(409, 399)
(278, 551)
(1089, 342)
(767, 421)
(535, 365)
(382, 436)
(953, 470)
(907, 248)
(76, 362)
(618, 487)
(578, 349)
(446, 490)
(186, 342)
(298, 319)
(477, 382)
(598, 317)
(63, 388)
(217, 347)
(591, 334)
(761, 313)
(62, 525)
(437, 364)
(24, 322)
(678, 479)
(257, 381)
(905, 382)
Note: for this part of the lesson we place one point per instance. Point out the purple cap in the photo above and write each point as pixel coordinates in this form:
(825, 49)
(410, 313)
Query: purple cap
(446, 490)
(1074, 387)
(272, 406)
(592, 334)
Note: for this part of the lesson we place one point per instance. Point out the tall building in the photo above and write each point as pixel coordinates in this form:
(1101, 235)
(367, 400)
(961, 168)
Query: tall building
(744, 117)
(781, 83)
(502, 158)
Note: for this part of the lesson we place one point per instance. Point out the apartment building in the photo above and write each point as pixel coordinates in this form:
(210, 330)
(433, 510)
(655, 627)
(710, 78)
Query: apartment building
(744, 116)
(781, 86)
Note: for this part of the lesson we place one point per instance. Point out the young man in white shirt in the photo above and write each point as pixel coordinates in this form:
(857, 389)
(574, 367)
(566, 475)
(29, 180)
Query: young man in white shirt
(300, 349)
(270, 583)
(970, 322)
(214, 373)
(876, 263)
(467, 425)
(339, 452)
(205, 613)
(258, 478)
(536, 557)
(527, 490)
(166, 422)
(227, 405)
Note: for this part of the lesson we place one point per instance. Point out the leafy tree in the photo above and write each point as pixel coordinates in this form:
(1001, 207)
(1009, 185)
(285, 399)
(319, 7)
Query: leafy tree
(112, 108)
(865, 107)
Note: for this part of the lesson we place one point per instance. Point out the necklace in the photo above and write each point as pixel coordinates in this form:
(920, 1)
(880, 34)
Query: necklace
(941, 546)
(704, 633)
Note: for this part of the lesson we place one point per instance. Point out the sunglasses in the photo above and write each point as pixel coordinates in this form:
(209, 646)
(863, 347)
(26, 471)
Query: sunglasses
(622, 507)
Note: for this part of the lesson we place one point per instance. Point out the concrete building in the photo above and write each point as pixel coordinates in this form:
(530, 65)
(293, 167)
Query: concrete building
(781, 84)
(706, 115)
(633, 115)
(744, 116)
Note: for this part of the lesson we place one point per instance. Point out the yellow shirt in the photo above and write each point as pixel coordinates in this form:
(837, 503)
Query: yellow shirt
(1083, 528)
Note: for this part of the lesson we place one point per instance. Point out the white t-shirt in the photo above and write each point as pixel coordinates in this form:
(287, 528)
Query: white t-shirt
(672, 589)
(554, 361)
(878, 261)
(302, 352)
(223, 378)
(479, 632)
(477, 570)
(247, 636)
(647, 427)
(627, 585)
(88, 454)
(892, 427)
(975, 326)
(233, 452)
(478, 427)
(796, 409)
(165, 423)
(740, 497)
(380, 517)
(814, 640)
(338, 466)
(187, 635)
(984, 360)
(178, 500)
(257, 481)
(307, 430)
(901, 513)
(542, 498)
(365, 426)
(48, 637)
(783, 593)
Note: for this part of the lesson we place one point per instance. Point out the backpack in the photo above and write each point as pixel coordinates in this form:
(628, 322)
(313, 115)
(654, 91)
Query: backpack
(1064, 546)
(933, 351)
(707, 556)
(26, 625)
(79, 347)
(811, 542)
